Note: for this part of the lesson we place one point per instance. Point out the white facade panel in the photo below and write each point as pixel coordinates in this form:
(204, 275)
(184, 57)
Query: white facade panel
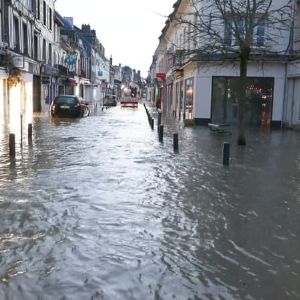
(203, 97)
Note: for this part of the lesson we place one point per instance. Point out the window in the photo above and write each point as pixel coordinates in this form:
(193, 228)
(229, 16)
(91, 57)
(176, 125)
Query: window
(35, 46)
(44, 57)
(44, 13)
(29, 4)
(188, 99)
(33, 6)
(38, 11)
(50, 18)
(50, 54)
(228, 33)
(16, 34)
(25, 39)
(189, 36)
(260, 34)
(259, 100)
(195, 31)
(231, 37)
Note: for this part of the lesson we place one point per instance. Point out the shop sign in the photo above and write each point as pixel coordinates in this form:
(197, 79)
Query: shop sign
(161, 76)
(49, 70)
(71, 59)
(62, 81)
(46, 80)
(18, 61)
(33, 68)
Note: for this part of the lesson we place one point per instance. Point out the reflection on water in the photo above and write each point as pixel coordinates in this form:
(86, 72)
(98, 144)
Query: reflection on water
(96, 208)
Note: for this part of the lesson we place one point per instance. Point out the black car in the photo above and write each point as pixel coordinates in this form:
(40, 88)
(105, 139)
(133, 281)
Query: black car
(69, 106)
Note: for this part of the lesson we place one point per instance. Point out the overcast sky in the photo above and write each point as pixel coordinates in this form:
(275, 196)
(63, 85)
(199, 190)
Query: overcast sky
(128, 29)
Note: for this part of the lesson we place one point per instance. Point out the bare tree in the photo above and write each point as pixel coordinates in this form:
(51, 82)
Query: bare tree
(236, 30)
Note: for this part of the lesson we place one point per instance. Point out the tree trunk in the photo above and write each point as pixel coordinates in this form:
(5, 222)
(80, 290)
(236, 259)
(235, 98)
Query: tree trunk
(242, 96)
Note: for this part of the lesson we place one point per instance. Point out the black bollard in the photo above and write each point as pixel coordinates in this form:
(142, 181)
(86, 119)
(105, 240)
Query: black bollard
(158, 121)
(30, 132)
(226, 153)
(12, 145)
(175, 142)
(152, 123)
(161, 133)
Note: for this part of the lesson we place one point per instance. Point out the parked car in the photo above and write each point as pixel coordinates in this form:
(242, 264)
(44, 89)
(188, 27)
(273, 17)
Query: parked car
(110, 100)
(69, 106)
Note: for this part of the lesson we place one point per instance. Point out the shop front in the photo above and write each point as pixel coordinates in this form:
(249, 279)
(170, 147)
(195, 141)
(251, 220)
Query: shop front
(3, 95)
(258, 101)
(49, 88)
(188, 99)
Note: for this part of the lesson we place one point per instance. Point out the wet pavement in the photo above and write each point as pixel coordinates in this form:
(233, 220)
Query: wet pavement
(97, 208)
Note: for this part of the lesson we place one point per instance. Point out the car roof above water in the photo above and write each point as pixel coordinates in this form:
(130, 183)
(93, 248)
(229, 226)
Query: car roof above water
(66, 98)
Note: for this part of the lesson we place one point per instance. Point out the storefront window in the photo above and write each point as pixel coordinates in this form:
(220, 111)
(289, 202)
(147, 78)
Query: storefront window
(189, 96)
(259, 100)
(177, 98)
(181, 104)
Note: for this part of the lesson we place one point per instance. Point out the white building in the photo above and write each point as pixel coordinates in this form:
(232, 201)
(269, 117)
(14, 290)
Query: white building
(28, 35)
(193, 85)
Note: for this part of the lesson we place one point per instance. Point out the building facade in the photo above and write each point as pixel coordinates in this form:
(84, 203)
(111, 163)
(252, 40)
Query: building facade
(201, 86)
(27, 56)
(292, 105)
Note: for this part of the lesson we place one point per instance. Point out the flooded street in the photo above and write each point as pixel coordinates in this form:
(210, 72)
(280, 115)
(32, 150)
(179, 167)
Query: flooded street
(97, 208)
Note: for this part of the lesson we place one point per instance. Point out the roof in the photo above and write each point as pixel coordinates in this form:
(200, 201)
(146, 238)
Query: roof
(58, 18)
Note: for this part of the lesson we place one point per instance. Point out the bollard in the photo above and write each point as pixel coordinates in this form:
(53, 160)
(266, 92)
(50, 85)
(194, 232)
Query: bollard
(158, 121)
(152, 123)
(175, 142)
(12, 145)
(226, 153)
(161, 133)
(30, 132)
(102, 108)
